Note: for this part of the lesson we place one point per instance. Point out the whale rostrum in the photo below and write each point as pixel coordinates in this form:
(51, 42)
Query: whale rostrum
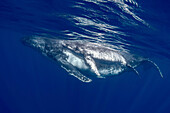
(84, 59)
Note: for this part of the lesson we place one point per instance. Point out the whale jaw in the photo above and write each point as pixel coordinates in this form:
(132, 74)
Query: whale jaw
(46, 46)
(35, 42)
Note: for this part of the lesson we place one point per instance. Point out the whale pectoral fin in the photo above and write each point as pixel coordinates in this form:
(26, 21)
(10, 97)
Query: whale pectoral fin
(80, 76)
(73, 71)
(92, 65)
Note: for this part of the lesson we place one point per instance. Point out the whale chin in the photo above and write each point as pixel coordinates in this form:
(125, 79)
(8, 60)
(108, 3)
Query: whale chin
(36, 42)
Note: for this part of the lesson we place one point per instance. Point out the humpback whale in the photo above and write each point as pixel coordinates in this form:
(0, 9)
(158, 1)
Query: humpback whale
(84, 59)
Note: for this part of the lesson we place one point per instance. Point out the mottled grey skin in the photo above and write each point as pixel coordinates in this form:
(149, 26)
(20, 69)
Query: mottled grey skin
(78, 56)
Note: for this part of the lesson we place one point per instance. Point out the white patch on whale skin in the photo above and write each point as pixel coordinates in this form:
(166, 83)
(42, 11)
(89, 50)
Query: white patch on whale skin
(110, 71)
(108, 56)
(75, 61)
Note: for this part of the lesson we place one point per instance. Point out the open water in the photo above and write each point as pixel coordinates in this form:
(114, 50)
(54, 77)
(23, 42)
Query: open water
(30, 83)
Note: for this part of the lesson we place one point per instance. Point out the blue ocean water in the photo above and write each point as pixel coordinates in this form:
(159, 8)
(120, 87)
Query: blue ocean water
(30, 83)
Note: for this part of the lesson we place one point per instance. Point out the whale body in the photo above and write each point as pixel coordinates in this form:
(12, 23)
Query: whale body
(84, 59)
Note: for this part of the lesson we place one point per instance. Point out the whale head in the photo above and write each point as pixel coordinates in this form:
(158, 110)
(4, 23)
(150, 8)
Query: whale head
(35, 42)
(48, 47)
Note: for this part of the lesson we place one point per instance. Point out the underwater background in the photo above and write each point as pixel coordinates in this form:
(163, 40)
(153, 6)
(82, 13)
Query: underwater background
(31, 83)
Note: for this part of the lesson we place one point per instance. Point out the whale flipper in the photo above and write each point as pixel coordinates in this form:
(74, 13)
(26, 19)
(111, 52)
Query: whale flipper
(73, 71)
(89, 60)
